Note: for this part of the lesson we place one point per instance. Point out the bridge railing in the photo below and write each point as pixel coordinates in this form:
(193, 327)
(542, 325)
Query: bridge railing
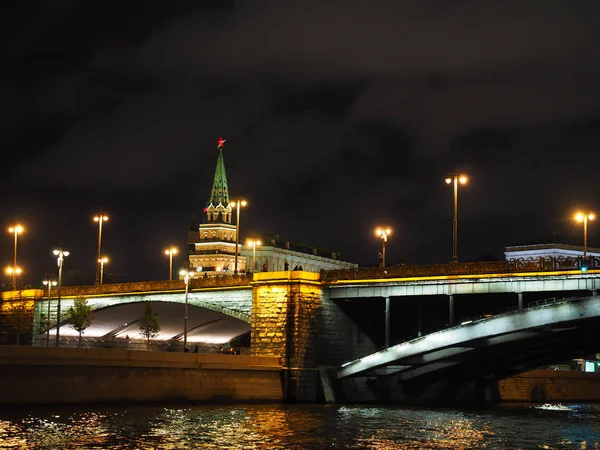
(515, 308)
(550, 300)
(541, 264)
(228, 280)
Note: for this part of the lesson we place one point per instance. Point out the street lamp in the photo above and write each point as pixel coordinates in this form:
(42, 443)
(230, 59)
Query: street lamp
(48, 283)
(236, 204)
(186, 279)
(102, 261)
(170, 252)
(584, 217)
(16, 230)
(61, 255)
(253, 243)
(100, 218)
(455, 179)
(13, 271)
(383, 233)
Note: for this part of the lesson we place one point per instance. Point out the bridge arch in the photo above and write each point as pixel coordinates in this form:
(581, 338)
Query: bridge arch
(213, 317)
(198, 303)
(538, 394)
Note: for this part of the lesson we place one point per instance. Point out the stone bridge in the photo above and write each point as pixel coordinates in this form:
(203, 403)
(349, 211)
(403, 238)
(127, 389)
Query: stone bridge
(294, 315)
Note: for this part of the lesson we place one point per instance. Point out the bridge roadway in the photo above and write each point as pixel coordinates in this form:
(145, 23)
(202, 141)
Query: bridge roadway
(227, 300)
(517, 283)
(491, 348)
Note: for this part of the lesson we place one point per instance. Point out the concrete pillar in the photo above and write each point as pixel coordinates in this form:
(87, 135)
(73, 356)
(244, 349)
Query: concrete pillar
(451, 310)
(387, 322)
(419, 316)
(520, 300)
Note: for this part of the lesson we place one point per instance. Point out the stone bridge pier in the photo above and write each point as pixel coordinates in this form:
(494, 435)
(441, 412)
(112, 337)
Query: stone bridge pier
(294, 319)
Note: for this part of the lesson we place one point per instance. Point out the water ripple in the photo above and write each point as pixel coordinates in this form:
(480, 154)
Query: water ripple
(290, 427)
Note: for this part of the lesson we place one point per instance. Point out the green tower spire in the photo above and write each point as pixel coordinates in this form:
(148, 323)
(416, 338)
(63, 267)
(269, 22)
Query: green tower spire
(220, 190)
(218, 204)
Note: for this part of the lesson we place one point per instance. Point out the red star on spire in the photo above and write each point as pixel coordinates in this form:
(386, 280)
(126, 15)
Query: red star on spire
(221, 142)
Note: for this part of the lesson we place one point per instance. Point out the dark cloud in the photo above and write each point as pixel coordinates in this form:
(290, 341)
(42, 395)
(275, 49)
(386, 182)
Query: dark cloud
(313, 40)
(338, 115)
(329, 99)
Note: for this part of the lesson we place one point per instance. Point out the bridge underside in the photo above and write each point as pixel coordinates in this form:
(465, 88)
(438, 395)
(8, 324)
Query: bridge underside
(489, 349)
(119, 322)
(498, 358)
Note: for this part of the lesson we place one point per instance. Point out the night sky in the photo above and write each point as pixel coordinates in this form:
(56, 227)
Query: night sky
(339, 115)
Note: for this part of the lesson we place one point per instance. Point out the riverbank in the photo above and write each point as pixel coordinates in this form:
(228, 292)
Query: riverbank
(51, 376)
(45, 376)
(543, 385)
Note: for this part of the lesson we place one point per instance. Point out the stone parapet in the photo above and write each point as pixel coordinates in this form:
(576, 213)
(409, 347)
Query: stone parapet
(154, 286)
(511, 266)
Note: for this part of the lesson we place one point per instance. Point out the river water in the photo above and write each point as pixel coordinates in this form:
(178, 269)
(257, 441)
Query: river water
(290, 426)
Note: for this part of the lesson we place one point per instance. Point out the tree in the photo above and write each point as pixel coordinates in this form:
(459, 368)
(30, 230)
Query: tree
(80, 316)
(149, 324)
(19, 310)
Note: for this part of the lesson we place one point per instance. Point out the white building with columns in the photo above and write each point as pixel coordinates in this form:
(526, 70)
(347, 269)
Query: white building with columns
(545, 250)
(275, 254)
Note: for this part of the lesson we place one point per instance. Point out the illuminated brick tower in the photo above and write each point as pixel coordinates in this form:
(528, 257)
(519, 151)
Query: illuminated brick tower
(212, 244)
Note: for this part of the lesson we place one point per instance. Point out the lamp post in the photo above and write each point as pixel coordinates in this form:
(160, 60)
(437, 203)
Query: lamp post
(236, 204)
(13, 271)
(186, 279)
(456, 180)
(48, 283)
(100, 218)
(383, 233)
(170, 252)
(15, 230)
(102, 261)
(253, 243)
(584, 217)
(61, 255)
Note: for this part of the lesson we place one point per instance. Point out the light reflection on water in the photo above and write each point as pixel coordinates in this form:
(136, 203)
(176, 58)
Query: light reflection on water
(550, 426)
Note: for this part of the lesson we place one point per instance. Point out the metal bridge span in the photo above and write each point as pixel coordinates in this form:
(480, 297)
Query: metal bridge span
(518, 276)
(569, 282)
(492, 348)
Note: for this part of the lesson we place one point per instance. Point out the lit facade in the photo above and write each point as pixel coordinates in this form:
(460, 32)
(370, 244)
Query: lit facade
(276, 255)
(547, 250)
